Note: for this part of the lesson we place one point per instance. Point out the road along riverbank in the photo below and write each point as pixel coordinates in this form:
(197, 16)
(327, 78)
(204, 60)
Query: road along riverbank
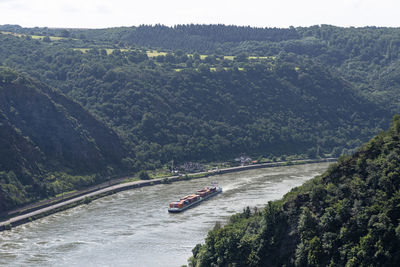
(87, 197)
(134, 228)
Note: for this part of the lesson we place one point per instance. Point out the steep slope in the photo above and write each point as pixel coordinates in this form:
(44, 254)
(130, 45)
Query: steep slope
(18, 156)
(213, 109)
(42, 132)
(366, 56)
(349, 216)
(197, 114)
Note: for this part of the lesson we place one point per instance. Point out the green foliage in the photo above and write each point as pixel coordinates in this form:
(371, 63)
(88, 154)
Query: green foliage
(278, 92)
(349, 216)
(281, 105)
(8, 226)
(60, 149)
(143, 175)
(87, 200)
(46, 39)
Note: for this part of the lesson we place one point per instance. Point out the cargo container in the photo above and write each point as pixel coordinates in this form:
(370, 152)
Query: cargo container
(194, 199)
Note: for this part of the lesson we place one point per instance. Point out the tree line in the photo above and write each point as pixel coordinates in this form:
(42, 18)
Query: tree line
(349, 216)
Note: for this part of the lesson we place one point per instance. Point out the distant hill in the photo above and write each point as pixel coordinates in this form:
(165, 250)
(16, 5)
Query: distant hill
(43, 132)
(193, 37)
(184, 107)
(349, 216)
(368, 57)
(314, 91)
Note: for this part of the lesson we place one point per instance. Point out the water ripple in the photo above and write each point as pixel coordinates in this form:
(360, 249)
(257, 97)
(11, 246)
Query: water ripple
(133, 228)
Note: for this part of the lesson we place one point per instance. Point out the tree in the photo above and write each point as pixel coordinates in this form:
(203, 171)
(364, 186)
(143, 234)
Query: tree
(243, 57)
(143, 175)
(65, 33)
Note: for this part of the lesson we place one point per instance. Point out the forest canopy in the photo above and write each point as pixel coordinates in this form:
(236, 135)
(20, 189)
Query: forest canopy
(348, 216)
(190, 93)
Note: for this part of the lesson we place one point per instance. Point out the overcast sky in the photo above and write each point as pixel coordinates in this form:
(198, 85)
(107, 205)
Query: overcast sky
(261, 13)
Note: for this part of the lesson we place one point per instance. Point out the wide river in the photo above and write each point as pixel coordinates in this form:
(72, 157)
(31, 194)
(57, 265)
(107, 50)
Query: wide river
(133, 228)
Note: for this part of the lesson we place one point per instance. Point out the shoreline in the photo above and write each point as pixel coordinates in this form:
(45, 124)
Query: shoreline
(86, 197)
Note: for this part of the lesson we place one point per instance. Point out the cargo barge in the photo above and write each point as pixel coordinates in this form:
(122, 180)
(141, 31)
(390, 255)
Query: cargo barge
(192, 200)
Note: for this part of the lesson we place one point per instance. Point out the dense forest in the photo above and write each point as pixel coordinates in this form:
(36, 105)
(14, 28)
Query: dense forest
(182, 107)
(348, 216)
(49, 143)
(368, 57)
(201, 92)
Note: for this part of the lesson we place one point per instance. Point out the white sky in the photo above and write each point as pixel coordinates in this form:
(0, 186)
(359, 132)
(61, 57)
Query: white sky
(261, 13)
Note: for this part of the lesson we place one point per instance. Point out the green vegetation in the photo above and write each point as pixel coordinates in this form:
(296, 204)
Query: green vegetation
(8, 226)
(367, 57)
(135, 98)
(66, 193)
(349, 216)
(276, 105)
(87, 200)
(154, 53)
(49, 144)
(166, 181)
(132, 179)
(37, 37)
(143, 175)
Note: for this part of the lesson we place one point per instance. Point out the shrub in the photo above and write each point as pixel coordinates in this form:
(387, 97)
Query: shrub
(143, 175)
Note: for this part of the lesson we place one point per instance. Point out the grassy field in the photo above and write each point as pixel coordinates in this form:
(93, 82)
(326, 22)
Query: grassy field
(52, 38)
(36, 37)
(150, 53)
(229, 57)
(271, 57)
(154, 53)
(108, 50)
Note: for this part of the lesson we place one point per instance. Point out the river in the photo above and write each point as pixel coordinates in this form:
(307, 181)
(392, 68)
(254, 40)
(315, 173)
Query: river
(133, 228)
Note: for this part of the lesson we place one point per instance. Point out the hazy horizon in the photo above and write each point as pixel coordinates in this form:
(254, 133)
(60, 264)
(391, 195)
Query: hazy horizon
(255, 13)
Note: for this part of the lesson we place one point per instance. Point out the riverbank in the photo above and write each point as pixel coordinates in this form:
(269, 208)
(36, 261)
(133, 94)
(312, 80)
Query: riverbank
(87, 197)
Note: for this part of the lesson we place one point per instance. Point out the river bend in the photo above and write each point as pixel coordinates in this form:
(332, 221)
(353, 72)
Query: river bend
(133, 228)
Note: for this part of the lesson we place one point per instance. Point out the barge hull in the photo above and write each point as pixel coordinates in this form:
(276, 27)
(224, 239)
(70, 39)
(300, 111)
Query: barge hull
(201, 199)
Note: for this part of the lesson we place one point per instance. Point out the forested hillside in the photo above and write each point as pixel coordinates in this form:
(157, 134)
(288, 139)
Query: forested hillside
(49, 143)
(179, 107)
(349, 216)
(192, 38)
(191, 93)
(368, 57)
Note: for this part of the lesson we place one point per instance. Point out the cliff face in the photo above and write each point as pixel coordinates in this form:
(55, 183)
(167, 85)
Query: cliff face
(17, 152)
(42, 131)
(349, 216)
